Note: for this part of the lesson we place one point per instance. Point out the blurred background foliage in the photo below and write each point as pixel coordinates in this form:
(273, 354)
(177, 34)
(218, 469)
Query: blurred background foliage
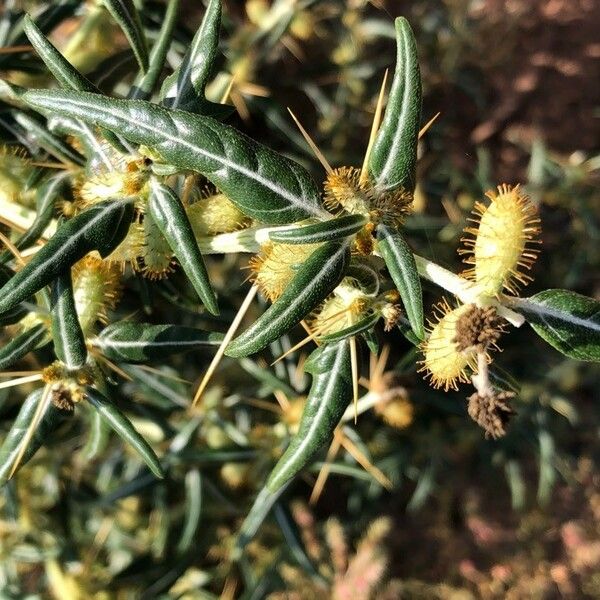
(516, 83)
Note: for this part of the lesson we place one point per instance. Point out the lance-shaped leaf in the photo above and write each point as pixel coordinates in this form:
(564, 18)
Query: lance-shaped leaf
(64, 72)
(69, 343)
(45, 197)
(254, 519)
(263, 184)
(363, 325)
(37, 132)
(316, 278)
(170, 217)
(124, 428)
(12, 94)
(126, 15)
(568, 321)
(393, 159)
(46, 20)
(144, 85)
(184, 89)
(11, 447)
(21, 345)
(139, 342)
(102, 227)
(324, 231)
(14, 315)
(329, 396)
(366, 276)
(401, 264)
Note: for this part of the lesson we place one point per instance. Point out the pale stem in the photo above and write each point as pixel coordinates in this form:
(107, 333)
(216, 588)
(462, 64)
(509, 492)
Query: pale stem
(481, 379)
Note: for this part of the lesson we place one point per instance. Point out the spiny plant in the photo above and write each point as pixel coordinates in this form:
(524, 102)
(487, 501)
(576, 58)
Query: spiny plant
(111, 192)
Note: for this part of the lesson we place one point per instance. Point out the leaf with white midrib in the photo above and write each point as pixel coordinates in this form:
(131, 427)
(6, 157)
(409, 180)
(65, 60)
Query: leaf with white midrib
(313, 282)
(568, 321)
(264, 184)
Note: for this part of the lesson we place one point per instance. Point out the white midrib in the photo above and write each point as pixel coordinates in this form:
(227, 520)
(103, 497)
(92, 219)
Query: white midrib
(72, 241)
(294, 200)
(544, 311)
(323, 405)
(108, 343)
(403, 110)
(326, 268)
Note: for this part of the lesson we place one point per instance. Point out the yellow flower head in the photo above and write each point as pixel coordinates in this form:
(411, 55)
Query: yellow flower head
(457, 339)
(214, 214)
(67, 387)
(500, 244)
(96, 289)
(339, 311)
(344, 189)
(445, 364)
(129, 179)
(276, 265)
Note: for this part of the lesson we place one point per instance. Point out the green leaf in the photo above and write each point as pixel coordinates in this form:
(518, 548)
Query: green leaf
(14, 315)
(145, 83)
(45, 196)
(139, 342)
(69, 343)
(126, 15)
(64, 72)
(393, 159)
(12, 94)
(365, 275)
(329, 396)
(262, 183)
(170, 217)
(324, 231)
(193, 510)
(254, 519)
(124, 428)
(184, 89)
(21, 345)
(12, 442)
(266, 377)
(102, 227)
(46, 139)
(568, 321)
(46, 20)
(401, 264)
(363, 325)
(315, 279)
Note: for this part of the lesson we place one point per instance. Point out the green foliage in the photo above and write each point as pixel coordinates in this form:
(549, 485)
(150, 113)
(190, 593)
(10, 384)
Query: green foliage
(568, 321)
(127, 206)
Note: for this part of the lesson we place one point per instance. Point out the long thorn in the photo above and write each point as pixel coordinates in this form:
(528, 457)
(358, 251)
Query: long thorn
(311, 143)
(427, 125)
(12, 248)
(312, 334)
(40, 411)
(111, 365)
(225, 95)
(282, 399)
(15, 49)
(20, 380)
(363, 461)
(324, 472)
(364, 172)
(228, 337)
(18, 373)
(380, 364)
